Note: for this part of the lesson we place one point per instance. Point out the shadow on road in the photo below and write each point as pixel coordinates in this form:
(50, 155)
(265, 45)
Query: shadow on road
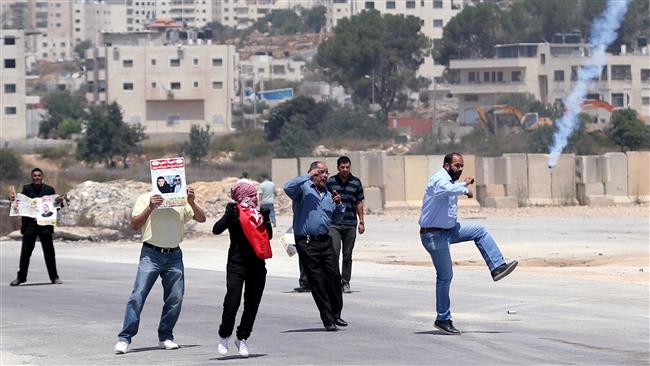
(157, 348)
(34, 284)
(439, 332)
(237, 357)
(306, 330)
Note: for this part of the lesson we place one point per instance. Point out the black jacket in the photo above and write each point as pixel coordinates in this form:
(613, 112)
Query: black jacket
(241, 252)
(33, 191)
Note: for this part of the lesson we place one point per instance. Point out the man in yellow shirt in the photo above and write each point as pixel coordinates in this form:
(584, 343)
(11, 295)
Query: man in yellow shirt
(162, 232)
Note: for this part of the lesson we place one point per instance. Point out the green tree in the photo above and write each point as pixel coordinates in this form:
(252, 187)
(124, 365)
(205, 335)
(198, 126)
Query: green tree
(69, 126)
(313, 19)
(313, 112)
(372, 54)
(10, 164)
(107, 136)
(61, 105)
(198, 145)
(354, 123)
(81, 47)
(279, 22)
(628, 131)
(295, 139)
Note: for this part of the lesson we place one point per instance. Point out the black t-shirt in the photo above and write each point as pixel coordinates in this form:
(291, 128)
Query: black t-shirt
(241, 252)
(33, 191)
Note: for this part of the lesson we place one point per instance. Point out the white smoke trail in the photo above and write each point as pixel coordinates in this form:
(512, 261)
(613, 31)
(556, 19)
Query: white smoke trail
(603, 33)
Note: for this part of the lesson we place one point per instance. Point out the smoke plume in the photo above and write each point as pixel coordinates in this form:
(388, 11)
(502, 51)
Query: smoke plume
(603, 33)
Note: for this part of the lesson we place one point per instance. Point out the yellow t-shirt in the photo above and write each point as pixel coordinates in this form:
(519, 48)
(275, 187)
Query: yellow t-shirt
(164, 227)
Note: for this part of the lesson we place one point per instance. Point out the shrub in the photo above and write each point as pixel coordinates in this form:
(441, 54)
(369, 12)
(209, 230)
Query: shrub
(10, 164)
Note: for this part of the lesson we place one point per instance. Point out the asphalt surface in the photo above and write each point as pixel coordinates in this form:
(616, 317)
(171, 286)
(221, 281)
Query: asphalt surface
(556, 320)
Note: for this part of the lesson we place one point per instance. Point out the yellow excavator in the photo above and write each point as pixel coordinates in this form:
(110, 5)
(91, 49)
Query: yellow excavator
(527, 121)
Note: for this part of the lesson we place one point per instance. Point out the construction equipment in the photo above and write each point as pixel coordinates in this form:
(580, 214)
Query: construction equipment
(596, 103)
(527, 121)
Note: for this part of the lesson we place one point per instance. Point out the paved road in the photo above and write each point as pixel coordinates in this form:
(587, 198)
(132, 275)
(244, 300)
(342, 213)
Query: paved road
(558, 320)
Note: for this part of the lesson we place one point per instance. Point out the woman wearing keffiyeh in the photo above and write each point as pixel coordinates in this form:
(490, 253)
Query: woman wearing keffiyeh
(246, 226)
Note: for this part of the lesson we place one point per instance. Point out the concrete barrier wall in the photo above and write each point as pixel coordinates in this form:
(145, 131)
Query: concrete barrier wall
(508, 181)
(638, 179)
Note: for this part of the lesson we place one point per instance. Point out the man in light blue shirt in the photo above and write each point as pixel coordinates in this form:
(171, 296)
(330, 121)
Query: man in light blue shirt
(313, 209)
(266, 192)
(439, 228)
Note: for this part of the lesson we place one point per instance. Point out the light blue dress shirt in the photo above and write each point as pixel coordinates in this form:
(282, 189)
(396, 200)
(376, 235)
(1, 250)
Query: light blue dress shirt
(312, 210)
(440, 203)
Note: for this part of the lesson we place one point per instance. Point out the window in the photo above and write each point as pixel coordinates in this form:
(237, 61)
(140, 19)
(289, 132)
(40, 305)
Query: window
(278, 69)
(593, 96)
(10, 88)
(217, 62)
(645, 76)
(437, 23)
(574, 73)
(471, 77)
(437, 4)
(471, 97)
(153, 85)
(175, 85)
(369, 5)
(195, 61)
(516, 76)
(174, 62)
(9, 41)
(10, 63)
(127, 63)
(645, 100)
(217, 85)
(173, 120)
(499, 76)
(195, 84)
(44, 44)
(603, 74)
(11, 110)
(486, 76)
(153, 62)
(390, 5)
(618, 100)
(410, 4)
(127, 86)
(558, 75)
(621, 72)
(542, 58)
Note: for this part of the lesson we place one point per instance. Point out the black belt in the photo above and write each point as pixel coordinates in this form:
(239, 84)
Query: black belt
(313, 237)
(159, 249)
(424, 230)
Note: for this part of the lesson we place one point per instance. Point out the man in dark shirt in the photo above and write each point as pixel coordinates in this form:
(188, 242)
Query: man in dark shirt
(343, 229)
(31, 230)
(313, 209)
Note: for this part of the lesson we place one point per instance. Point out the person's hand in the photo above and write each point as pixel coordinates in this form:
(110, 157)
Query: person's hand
(469, 194)
(230, 208)
(59, 199)
(155, 201)
(362, 227)
(314, 172)
(469, 181)
(11, 196)
(336, 197)
(266, 213)
(190, 195)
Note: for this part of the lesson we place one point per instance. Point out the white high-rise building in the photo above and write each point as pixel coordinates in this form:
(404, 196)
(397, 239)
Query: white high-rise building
(13, 120)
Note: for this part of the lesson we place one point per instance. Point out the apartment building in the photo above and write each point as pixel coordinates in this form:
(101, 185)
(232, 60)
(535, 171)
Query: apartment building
(261, 68)
(165, 87)
(434, 14)
(13, 120)
(549, 72)
(241, 14)
(91, 18)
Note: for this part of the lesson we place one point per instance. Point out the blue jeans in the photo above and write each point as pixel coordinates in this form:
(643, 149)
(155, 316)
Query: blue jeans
(169, 266)
(271, 210)
(437, 244)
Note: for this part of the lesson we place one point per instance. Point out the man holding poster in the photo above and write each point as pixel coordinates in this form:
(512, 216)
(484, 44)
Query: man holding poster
(40, 226)
(160, 256)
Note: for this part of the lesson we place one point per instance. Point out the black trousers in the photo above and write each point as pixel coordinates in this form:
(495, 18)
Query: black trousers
(320, 264)
(30, 233)
(236, 276)
(343, 237)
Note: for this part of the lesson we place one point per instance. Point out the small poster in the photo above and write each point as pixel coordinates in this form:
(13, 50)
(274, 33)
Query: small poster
(42, 208)
(46, 211)
(168, 180)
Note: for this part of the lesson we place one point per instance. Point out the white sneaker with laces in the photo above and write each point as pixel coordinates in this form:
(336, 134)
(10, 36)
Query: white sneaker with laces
(168, 344)
(241, 345)
(222, 347)
(121, 347)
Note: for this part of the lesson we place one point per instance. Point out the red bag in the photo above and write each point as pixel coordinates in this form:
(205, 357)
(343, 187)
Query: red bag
(254, 229)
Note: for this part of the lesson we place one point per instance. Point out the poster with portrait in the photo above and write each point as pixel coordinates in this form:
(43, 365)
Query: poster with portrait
(46, 211)
(168, 180)
(24, 206)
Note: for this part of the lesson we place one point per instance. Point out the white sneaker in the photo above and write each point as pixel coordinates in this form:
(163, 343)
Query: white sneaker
(222, 347)
(241, 345)
(168, 344)
(121, 347)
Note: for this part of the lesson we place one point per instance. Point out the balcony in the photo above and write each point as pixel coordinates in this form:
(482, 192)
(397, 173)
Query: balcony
(490, 88)
(492, 63)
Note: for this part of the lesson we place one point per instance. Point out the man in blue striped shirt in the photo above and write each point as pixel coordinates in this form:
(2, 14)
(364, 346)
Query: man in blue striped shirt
(313, 209)
(439, 228)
